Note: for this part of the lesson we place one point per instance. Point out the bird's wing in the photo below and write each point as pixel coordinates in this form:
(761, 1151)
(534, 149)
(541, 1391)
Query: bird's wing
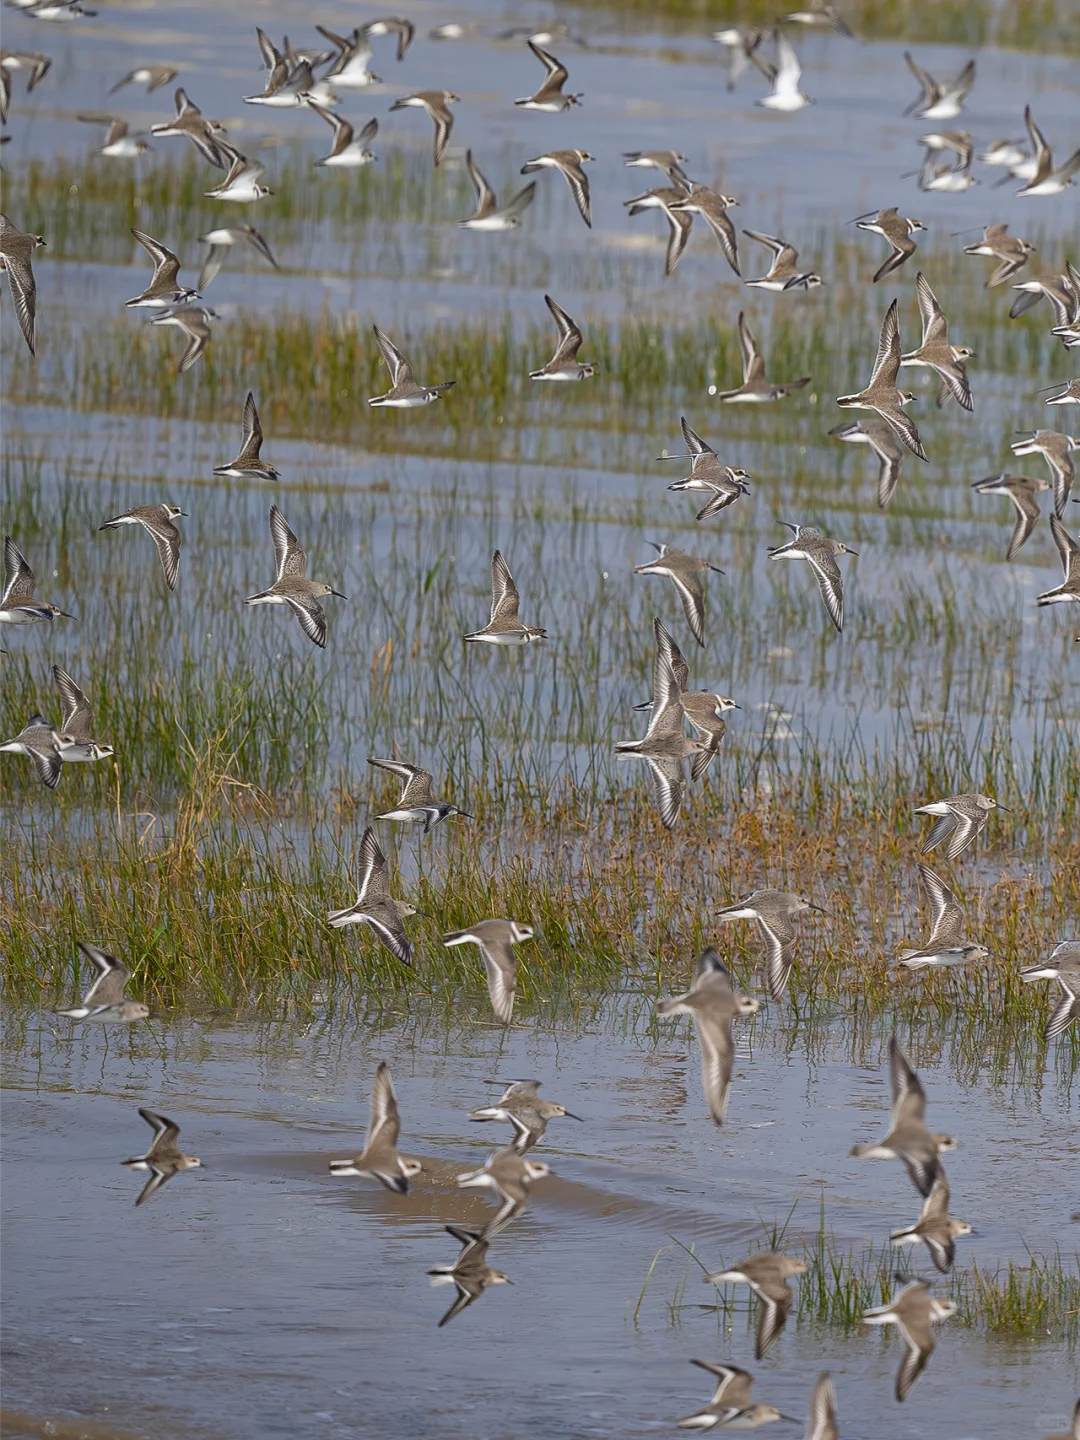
(773, 1308)
(166, 265)
(112, 976)
(889, 473)
(47, 766)
(504, 593)
(669, 786)
(252, 430)
(789, 71)
(913, 1363)
(556, 72)
(166, 1131)
(692, 594)
(23, 295)
(387, 925)
(485, 196)
(753, 364)
(947, 915)
(501, 969)
(19, 577)
(289, 556)
(778, 958)
(569, 334)
(680, 223)
(694, 442)
(579, 187)
(198, 333)
(76, 714)
(1067, 547)
(166, 537)
(385, 1123)
(1027, 514)
(400, 369)
(963, 832)
(887, 361)
(717, 1062)
(935, 326)
(909, 1098)
(776, 246)
(830, 583)
(312, 618)
(821, 1424)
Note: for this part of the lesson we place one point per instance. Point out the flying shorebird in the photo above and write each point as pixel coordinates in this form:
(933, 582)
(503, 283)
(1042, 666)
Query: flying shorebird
(105, 1001)
(940, 100)
(946, 945)
(714, 1006)
(1021, 490)
(487, 215)
(897, 229)
(521, 1107)
(242, 183)
(1009, 250)
(881, 394)
(680, 220)
(510, 1176)
(935, 353)
(16, 251)
(885, 443)
(496, 940)
(819, 12)
(786, 74)
(568, 163)
(1069, 550)
(396, 25)
(767, 1273)
(504, 627)
(755, 388)
(350, 68)
(914, 1310)
(292, 586)
(774, 911)
(194, 321)
(417, 805)
(668, 162)
(75, 739)
(190, 122)
(723, 483)
(1055, 289)
(705, 711)
(564, 364)
(549, 98)
(784, 272)
(375, 906)
(163, 1159)
(345, 151)
(247, 464)
(1046, 180)
(731, 1406)
(820, 551)
(379, 1159)
(908, 1139)
(37, 741)
(157, 521)
(935, 1227)
(743, 43)
(152, 76)
(959, 819)
(1070, 395)
(712, 207)
(437, 104)
(404, 392)
(163, 290)
(33, 61)
(221, 242)
(664, 745)
(1055, 448)
(17, 603)
(470, 1272)
(118, 144)
(1064, 967)
(685, 572)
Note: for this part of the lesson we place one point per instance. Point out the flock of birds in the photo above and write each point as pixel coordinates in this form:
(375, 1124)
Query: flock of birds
(310, 79)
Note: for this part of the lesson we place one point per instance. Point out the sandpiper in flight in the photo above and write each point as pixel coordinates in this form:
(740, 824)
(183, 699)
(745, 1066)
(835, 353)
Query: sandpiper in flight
(755, 388)
(16, 250)
(379, 1159)
(881, 394)
(496, 940)
(417, 805)
(521, 1106)
(767, 1273)
(774, 910)
(105, 1001)
(564, 364)
(820, 551)
(292, 586)
(714, 1006)
(947, 945)
(504, 627)
(375, 906)
(17, 603)
(164, 1158)
(908, 1139)
(959, 819)
(568, 163)
(157, 521)
(404, 392)
(549, 97)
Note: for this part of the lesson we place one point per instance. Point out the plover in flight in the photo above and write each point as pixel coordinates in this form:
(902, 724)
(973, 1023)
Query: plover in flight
(956, 142)
(680, 220)
(723, 483)
(947, 945)
(820, 552)
(881, 394)
(885, 443)
(914, 1310)
(940, 100)
(350, 68)
(1010, 251)
(190, 122)
(731, 1406)
(1021, 490)
(568, 163)
(668, 162)
(564, 364)
(241, 184)
(75, 739)
(247, 465)
(786, 74)
(221, 242)
(935, 353)
(521, 1106)
(417, 805)
(685, 572)
(163, 1159)
(17, 604)
(822, 1423)
(470, 1272)
(664, 745)
(897, 229)
(118, 144)
(784, 272)
(16, 251)
(908, 1139)
(379, 1159)
(819, 13)
(37, 741)
(935, 1227)
(163, 291)
(767, 1273)
(396, 25)
(157, 521)
(1064, 967)
(375, 906)
(774, 910)
(1055, 448)
(292, 586)
(194, 321)
(346, 152)
(290, 82)
(755, 388)
(404, 392)
(1055, 289)
(504, 627)
(714, 1006)
(1070, 395)
(487, 214)
(105, 1001)
(496, 940)
(1069, 550)
(959, 819)
(549, 98)
(1047, 180)
(510, 1176)
(437, 104)
(152, 76)
(33, 62)
(712, 207)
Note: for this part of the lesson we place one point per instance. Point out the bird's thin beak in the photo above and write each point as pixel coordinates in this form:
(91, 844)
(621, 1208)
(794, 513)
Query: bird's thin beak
(464, 815)
(820, 909)
(1005, 808)
(853, 552)
(716, 569)
(571, 1116)
(423, 915)
(339, 595)
(185, 515)
(66, 616)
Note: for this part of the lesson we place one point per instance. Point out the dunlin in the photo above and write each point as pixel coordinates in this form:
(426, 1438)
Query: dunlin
(221, 242)
(118, 143)
(375, 906)
(17, 603)
(418, 804)
(549, 98)
(496, 940)
(668, 162)
(685, 572)
(504, 627)
(37, 741)
(1009, 251)
(346, 152)
(724, 484)
(163, 290)
(397, 25)
(935, 1227)
(705, 711)
(897, 229)
(774, 910)
(292, 586)
(190, 122)
(75, 740)
(947, 945)
(521, 1106)
(470, 1273)
(509, 1176)
(568, 163)
(940, 100)
(959, 818)
(487, 215)
(152, 76)
(935, 353)
(157, 521)
(784, 272)
(712, 207)
(1069, 550)
(731, 1406)
(36, 65)
(1021, 490)
(885, 443)
(1047, 179)
(908, 1139)
(664, 746)
(714, 1006)
(242, 182)
(667, 199)
(1056, 449)
(564, 364)
(248, 465)
(914, 1310)
(755, 388)
(105, 1001)
(767, 1273)
(194, 321)
(350, 69)
(1055, 289)
(437, 104)
(379, 1159)
(404, 392)
(1064, 967)
(819, 13)
(163, 1159)
(820, 552)
(16, 251)
(881, 394)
